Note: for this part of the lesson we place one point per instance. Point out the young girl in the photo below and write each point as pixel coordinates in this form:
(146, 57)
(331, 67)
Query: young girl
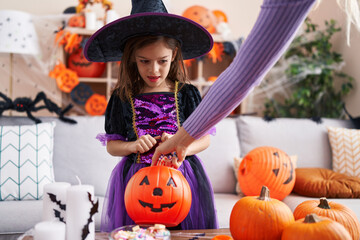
(150, 102)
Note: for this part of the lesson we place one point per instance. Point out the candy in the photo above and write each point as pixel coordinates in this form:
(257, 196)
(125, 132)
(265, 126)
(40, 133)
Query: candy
(158, 231)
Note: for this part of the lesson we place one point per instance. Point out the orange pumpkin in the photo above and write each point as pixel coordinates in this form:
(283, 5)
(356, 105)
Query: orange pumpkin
(332, 210)
(202, 16)
(158, 194)
(267, 166)
(77, 21)
(78, 63)
(96, 105)
(313, 227)
(259, 217)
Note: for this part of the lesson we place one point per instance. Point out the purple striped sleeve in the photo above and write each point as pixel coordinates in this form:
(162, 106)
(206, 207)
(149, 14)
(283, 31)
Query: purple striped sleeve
(272, 33)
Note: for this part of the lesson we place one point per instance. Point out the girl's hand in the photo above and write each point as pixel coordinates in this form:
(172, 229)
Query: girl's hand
(144, 143)
(178, 143)
(165, 136)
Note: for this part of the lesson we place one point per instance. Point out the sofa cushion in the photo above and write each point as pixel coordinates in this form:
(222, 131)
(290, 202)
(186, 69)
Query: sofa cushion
(345, 146)
(218, 157)
(321, 182)
(76, 151)
(26, 158)
(302, 137)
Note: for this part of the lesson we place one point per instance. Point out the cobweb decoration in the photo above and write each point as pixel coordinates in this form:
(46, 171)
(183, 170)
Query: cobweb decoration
(31, 72)
(277, 84)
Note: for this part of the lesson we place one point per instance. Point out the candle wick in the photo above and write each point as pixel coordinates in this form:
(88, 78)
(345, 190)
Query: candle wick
(77, 177)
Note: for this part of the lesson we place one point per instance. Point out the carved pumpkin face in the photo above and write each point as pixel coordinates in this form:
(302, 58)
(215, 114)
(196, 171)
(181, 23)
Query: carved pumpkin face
(202, 16)
(78, 63)
(158, 194)
(67, 80)
(96, 105)
(77, 21)
(267, 166)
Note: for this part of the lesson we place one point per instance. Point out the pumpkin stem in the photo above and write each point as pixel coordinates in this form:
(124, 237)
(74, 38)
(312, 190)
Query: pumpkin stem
(264, 194)
(312, 218)
(324, 204)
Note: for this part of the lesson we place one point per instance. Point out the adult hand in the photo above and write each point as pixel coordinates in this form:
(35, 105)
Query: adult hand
(178, 143)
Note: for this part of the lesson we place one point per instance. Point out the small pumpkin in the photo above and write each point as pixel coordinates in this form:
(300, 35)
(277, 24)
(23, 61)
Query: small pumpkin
(158, 194)
(267, 166)
(78, 63)
(259, 217)
(96, 105)
(202, 16)
(313, 227)
(335, 211)
(77, 21)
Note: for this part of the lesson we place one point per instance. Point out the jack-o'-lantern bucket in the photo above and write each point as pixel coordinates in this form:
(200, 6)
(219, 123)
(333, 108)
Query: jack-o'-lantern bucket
(158, 194)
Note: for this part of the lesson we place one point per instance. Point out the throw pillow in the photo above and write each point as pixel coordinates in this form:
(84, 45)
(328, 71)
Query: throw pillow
(322, 182)
(345, 146)
(25, 160)
(237, 161)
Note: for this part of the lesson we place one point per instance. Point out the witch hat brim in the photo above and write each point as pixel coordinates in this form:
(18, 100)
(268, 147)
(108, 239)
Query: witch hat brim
(106, 45)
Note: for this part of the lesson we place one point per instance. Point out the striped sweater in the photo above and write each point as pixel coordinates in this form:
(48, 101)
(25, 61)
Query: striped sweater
(274, 29)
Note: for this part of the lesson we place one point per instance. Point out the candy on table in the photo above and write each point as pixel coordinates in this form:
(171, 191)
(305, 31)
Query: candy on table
(158, 231)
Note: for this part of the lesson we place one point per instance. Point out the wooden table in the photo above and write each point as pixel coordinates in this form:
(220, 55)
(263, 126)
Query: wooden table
(175, 235)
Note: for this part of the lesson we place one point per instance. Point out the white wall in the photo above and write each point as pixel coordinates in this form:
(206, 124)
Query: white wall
(241, 16)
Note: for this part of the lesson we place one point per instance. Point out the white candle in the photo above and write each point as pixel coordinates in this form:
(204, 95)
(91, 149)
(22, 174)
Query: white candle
(49, 206)
(53, 230)
(78, 212)
(90, 20)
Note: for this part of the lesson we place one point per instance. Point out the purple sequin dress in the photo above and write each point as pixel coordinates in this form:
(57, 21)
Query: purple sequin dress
(155, 113)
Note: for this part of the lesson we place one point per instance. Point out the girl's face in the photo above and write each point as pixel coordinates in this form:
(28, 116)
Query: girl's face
(153, 63)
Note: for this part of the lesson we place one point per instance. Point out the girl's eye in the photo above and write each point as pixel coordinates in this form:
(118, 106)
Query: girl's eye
(163, 61)
(144, 61)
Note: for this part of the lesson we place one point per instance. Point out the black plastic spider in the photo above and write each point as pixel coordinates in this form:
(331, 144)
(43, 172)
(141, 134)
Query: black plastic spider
(27, 105)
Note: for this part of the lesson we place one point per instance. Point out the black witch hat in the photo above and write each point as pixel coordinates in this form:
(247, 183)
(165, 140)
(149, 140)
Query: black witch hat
(148, 17)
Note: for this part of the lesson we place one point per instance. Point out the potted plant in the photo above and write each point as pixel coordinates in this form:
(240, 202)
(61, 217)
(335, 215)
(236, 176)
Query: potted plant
(317, 84)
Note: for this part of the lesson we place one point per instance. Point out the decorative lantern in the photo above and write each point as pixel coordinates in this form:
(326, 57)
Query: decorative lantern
(267, 166)
(78, 63)
(158, 194)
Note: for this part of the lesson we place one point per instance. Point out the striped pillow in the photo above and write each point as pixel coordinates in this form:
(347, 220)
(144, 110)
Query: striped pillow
(345, 146)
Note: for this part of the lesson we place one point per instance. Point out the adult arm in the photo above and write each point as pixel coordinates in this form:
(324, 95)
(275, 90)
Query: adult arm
(274, 29)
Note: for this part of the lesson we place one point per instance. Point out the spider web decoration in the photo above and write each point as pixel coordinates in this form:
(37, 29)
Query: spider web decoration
(278, 85)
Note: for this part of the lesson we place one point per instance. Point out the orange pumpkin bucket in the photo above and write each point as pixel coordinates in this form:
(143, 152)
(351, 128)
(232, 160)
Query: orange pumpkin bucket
(158, 194)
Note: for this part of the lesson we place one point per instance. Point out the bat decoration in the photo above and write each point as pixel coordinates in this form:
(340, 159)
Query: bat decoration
(54, 200)
(58, 215)
(61, 206)
(93, 210)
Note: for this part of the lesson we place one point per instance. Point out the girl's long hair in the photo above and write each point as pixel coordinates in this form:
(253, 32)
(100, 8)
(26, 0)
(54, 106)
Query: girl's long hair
(129, 80)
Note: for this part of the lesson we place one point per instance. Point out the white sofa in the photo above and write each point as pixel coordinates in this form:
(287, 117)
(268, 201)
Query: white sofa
(78, 153)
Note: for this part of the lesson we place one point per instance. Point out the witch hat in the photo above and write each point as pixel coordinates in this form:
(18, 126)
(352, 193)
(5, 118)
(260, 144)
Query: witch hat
(148, 17)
